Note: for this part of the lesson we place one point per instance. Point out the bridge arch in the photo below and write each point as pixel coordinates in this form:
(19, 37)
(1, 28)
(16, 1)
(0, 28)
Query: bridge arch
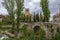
(36, 28)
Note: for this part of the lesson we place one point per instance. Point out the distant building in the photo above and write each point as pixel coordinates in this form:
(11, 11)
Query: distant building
(27, 12)
(56, 18)
(56, 23)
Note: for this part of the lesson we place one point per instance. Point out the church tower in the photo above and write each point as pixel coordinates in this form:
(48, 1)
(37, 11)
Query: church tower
(27, 12)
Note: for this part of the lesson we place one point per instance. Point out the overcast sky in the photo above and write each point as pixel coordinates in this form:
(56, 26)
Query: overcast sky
(34, 5)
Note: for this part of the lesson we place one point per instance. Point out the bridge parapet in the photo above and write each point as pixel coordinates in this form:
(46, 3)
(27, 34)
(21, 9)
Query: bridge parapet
(46, 26)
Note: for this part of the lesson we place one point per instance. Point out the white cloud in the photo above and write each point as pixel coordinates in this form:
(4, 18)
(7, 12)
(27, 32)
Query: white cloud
(32, 4)
(2, 10)
(36, 1)
(52, 1)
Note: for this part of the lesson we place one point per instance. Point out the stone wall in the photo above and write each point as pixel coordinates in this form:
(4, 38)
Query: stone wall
(49, 27)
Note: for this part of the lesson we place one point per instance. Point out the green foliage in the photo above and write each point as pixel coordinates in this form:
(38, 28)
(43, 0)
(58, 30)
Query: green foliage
(0, 24)
(42, 34)
(37, 17)
(45, 9)
(30, 19)
(57, 37)
(29, 35)
(19, 4)
(9, 5)
(34, 17)
(41, 17)
(6, 20)
(5, 28)
(22, 17)
(11, 39)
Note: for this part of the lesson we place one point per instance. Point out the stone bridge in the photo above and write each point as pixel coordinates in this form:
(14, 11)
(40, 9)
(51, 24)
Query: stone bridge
(32, 25)
(40, 24)
(43, 25)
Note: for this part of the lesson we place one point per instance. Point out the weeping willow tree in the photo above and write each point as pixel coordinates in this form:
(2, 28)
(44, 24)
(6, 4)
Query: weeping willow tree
(19, 5)
(9, 6)
(45, 9)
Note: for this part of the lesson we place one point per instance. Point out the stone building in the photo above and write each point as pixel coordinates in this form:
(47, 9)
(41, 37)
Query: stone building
(56, 18)
(56, 23)
(28, 14)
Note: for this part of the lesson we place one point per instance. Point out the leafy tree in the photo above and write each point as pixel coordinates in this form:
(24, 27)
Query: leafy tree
(24, 18)
(0, 24)
(9, 5)
(41, 17)
(19, 4)
(29, 18)
(34, 17)
(42, 34)
(6, 19)
(37, 17)
(45, 9)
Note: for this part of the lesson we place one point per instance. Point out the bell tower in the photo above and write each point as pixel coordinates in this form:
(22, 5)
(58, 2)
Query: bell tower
(27, 12)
